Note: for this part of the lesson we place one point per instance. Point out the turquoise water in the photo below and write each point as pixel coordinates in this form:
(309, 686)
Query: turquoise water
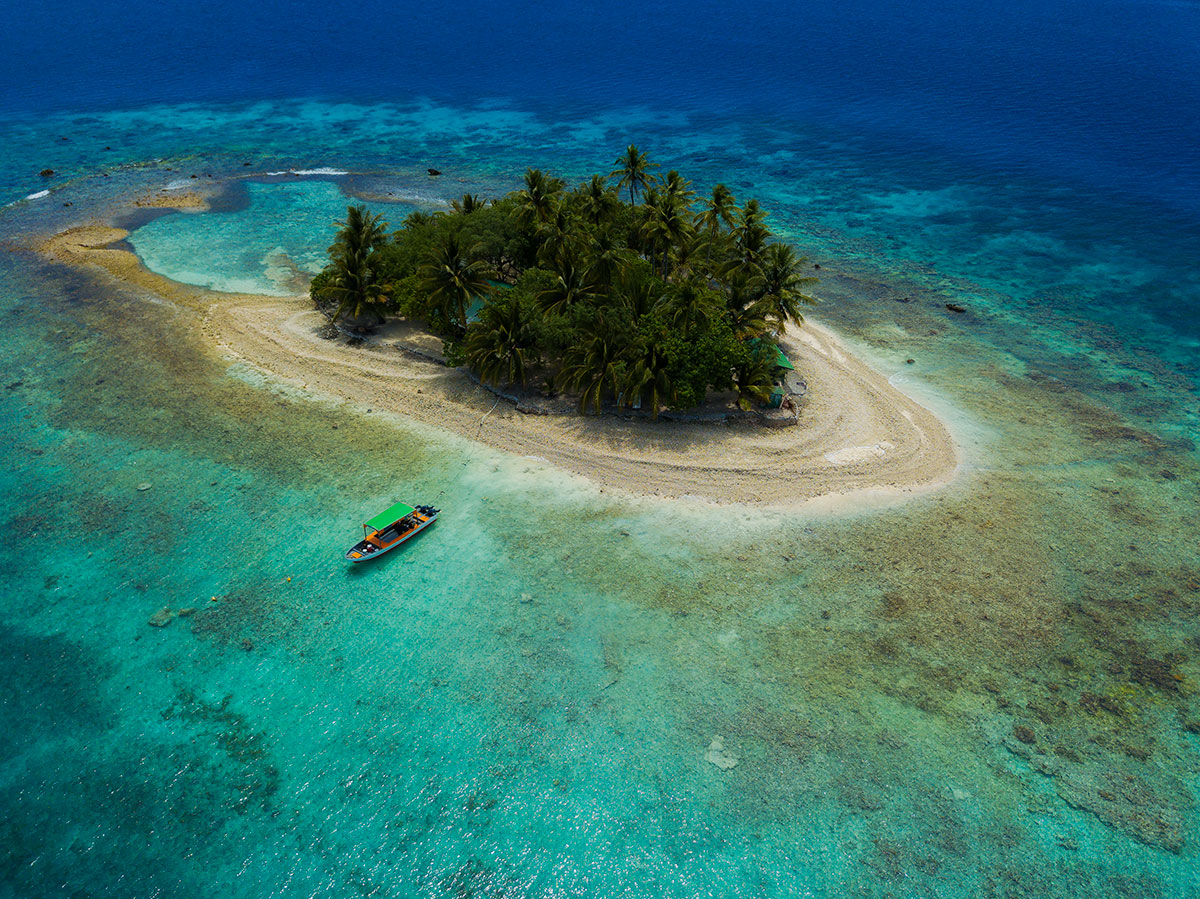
(521, 703)
(288, 226)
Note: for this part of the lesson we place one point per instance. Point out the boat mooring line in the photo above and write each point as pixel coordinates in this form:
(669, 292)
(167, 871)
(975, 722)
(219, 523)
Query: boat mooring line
(478, 431)
(485, 416)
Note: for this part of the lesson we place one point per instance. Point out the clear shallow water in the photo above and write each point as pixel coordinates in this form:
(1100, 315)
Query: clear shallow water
(521, 704)
(277, 242)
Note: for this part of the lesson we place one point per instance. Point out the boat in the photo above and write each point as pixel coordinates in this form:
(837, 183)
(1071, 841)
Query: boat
(390, 528)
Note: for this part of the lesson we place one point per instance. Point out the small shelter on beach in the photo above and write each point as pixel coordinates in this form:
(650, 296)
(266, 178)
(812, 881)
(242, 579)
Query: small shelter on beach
(779, 374)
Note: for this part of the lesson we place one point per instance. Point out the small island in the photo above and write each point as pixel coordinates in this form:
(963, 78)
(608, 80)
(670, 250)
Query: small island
(625, 292)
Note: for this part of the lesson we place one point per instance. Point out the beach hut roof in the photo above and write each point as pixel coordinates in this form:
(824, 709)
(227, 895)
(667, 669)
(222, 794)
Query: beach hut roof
(781, 361)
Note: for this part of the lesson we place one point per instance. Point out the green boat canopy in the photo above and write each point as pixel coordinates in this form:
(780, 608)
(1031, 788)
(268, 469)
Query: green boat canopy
(389, 515)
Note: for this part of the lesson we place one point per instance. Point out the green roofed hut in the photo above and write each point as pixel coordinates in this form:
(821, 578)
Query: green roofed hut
(782, 365)
(782, 361)
(391, 527)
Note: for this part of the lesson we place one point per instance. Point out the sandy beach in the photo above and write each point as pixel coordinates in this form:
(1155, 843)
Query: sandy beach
(858, 437)
(173, 199)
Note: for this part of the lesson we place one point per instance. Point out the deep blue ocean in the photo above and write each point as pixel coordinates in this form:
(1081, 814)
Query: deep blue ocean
(508, 711)
(1103, 94)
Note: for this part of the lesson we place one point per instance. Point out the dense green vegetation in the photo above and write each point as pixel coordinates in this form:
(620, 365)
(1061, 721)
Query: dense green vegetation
(650, 302)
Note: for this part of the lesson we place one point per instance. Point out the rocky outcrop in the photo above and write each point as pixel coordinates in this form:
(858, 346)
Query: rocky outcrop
(162, 617)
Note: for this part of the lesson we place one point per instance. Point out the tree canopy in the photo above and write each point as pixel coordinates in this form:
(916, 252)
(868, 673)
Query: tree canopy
(353, 282)
(648, 303)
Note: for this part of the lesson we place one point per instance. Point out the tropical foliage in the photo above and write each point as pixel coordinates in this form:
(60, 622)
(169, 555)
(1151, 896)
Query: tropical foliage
(648, 302)
(353, 282)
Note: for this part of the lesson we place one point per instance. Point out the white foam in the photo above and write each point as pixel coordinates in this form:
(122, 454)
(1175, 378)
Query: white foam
(421, 199)
(178, 184)
(304, 172)
(38, 195)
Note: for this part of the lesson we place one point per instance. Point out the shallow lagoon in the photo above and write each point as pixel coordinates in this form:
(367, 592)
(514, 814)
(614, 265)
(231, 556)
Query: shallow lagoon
(273, 246)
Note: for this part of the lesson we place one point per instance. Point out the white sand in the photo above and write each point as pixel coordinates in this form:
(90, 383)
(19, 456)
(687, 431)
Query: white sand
(857, 435)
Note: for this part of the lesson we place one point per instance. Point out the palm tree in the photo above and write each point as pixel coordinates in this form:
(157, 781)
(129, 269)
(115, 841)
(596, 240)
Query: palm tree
(361, 232)
(637, 292)
(748, 313)
(353, 282)
(453, 276)
(678, 225)
(609, 257)
(679, 190)
(594, 366)
(751, 232)
(690, 304)
(754, 375)
(649, 379)
(719, 209)
(684, 252)
(536, 199)
(750, 321)
(354, 291)
(417, 218)
(667, 225)
(599, 201)
(634, 169)
(573, 282)
(554, 232)
(468, 204)
(654, 232)
(783, 284)
(500, 346)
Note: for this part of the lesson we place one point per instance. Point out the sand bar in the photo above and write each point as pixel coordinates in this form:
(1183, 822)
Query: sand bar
(858, 437)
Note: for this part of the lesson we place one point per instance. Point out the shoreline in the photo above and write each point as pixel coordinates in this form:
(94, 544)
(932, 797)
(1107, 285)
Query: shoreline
(859, 440)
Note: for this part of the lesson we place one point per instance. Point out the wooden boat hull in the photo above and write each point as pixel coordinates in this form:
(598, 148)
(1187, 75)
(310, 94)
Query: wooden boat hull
(365, 550)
